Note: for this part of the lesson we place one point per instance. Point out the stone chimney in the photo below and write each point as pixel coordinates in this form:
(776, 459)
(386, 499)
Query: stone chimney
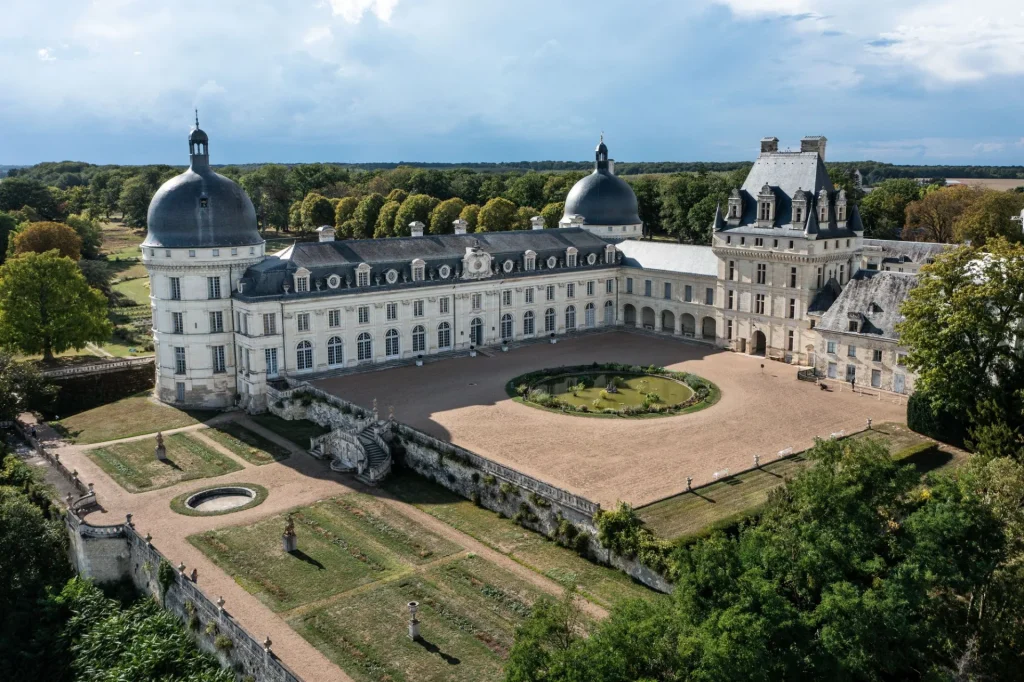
(460, 226)
(326, 233)
(537, 222)
(416, 228)
(814, 143)
(769, 145)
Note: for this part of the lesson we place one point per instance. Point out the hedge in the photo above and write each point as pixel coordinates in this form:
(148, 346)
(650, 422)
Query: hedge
(939, 424)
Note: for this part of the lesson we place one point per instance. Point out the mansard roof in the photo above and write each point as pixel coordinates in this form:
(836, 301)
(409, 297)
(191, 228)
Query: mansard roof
(894, 251)
(682, 258)
(873, 297)
(342, 258)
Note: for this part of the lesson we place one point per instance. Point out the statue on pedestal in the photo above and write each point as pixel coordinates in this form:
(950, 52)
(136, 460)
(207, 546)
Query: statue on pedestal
(161, 450)
(288, 541)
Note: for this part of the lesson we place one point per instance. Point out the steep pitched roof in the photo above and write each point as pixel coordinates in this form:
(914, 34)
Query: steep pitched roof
(873, 298)
(894, 251)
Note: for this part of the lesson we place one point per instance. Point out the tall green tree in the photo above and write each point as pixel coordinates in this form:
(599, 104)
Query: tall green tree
(444, 214)
(471, 214)
(136, 193)
(43, 237)
(316, 211)
(385, 226)
(365, 217)
(89, 231)
(18, 192)
(962, 325)
(20, 386)
(527, 189)
(883, 210)
(934, 216)
(8, 225)
(552, 213)
(990, 217)
(523, 216)
(497, 215)
(416, 207)
(271, 194)
(345, 210)
(648, 200)
(47, 307)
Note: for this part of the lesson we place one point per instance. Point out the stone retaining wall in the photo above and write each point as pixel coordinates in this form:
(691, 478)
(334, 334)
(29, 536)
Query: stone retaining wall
(110, 553)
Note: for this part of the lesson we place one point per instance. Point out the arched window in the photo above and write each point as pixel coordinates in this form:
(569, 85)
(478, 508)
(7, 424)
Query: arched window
(506, 327)
(528, 321)
(419, 339)
(444, 335)
(364, 347)
(391, 345)
(530, 260)
(418, 268)
(363, 275)
(588, 316)
(549, 320)
(476, 331)
(609, 312)
(334, 354)
(570, 318)
(304, 355)
(570, 257)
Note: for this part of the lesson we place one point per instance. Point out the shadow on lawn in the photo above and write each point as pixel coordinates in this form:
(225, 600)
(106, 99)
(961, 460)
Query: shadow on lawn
(299, 554)
(433, 648)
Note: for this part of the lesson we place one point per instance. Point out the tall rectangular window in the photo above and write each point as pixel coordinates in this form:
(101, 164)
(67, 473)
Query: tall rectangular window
(213, 287)
(550, 292)
(301, 285)
(179, 360)
(831, 347)
(506, 297)
(647, 287)
(216, 322)
(792, 278)
(709, 296)
(442, 305)
(851, 351)
(334, 318)
(392, 311)
(178, 322)
(731, 300)
(759, 304)
(175, 292)
(876, 356)
(790, 339)
(820, 283)
(302, 320)
(528, 295)
(732, 270)
(363, 278)
(688, 293)
(219, 366)
(629, 285)
(762, 273)
(728, 330)
(570, 290)
(792, 308)
(476, 301)
(608, 286)
(417, 308)
(270, 354)
(668, 290)
(590, 288)
(364, 314)
(269, 323)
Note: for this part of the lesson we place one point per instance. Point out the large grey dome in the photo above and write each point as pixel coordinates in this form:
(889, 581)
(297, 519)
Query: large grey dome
(200, 208)
(603, 198)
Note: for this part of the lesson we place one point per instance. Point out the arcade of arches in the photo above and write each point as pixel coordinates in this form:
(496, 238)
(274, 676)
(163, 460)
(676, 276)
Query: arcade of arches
(685, 325)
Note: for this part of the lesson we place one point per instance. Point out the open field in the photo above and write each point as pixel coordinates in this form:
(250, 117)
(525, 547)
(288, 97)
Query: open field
(135, 468)
(990, 183)
(251, 447)
(298, 431)
(136, 289)
(463, 400)
(133, 416)
(601, 585)
(725, 502)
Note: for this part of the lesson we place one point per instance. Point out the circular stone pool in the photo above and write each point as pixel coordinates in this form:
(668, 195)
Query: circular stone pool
(631, 391)
(219, 499)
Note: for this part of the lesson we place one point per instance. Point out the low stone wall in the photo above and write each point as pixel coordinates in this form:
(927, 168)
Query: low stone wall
(109, 553)
(325, 409)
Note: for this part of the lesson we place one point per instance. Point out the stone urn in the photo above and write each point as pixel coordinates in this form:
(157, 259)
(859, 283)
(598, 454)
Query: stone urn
(472, 352)
(419, 360)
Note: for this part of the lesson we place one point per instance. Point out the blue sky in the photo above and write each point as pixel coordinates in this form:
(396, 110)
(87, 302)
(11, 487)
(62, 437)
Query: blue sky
(115, 81)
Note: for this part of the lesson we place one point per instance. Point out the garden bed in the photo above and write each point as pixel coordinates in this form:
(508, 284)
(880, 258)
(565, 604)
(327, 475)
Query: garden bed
(614, 390)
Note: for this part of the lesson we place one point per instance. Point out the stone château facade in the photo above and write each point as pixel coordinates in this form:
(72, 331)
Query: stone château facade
(229, 318)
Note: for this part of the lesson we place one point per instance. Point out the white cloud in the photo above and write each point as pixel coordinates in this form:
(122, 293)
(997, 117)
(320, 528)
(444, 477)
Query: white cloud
(45, 55)
(316, 34)
(352, 11)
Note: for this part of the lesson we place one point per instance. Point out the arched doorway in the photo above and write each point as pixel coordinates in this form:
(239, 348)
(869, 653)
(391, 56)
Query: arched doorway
(758, 343)
(629, 315)
(476, 332)
(647, 317)
(689, 325)
(668, 321)
(707, 328)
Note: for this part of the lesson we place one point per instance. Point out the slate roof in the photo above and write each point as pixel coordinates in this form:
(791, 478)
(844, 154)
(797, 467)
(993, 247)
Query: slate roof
(825, 297)
(786, 173)
(872, 297)
(342, 258)
(893, 251)
(683, 258)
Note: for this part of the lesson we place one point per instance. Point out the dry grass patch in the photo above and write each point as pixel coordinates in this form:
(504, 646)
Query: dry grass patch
(135, 467)
(298, 431)
(251, 447)
(134, 416)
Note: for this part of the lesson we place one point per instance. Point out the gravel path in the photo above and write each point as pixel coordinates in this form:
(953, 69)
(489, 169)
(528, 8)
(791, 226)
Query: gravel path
(635, 460)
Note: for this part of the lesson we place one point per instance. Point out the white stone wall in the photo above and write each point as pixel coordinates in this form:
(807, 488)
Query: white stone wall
(668, 313)
(890, 373)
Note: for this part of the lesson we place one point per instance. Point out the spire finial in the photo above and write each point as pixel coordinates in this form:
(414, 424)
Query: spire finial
(602, 136)
(197, 117)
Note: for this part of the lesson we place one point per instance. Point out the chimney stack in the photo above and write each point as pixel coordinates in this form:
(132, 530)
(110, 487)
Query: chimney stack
(814, 143)
(326, 233)
(769, 145)
(416, 228)
(537, 222)
(460, 226)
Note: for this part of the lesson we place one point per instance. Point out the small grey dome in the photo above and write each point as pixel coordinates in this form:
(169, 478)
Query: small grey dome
(603, 198)
(200, 208)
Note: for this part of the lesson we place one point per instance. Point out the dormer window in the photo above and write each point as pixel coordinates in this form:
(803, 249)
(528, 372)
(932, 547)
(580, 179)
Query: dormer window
(418, 269)
(203, 202)
(570, 257)
(530, 261)
(766, 207)
(363, 275)
(798, 214)
(609, 254)
(823, 206)
(301, 284)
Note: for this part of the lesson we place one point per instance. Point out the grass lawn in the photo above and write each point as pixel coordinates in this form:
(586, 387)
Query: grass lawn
(722, 503)
(469, 609)
(251, 447)
(298, 431)
(128, 417)
(601, 585)
(134, 466)
(135, 289)
(344, 543)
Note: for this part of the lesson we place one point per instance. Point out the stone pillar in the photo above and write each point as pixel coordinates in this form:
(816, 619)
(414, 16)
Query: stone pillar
(414, 624)
(161, 450)
(289, 542)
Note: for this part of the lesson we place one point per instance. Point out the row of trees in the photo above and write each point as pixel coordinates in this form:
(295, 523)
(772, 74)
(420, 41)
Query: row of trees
(856, 569)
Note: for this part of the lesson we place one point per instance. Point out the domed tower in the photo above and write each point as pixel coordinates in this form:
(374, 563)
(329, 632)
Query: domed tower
(602, 202)
(202, 236)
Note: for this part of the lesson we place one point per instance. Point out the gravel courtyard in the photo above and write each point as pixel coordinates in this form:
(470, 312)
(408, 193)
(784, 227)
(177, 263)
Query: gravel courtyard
(635, 460)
